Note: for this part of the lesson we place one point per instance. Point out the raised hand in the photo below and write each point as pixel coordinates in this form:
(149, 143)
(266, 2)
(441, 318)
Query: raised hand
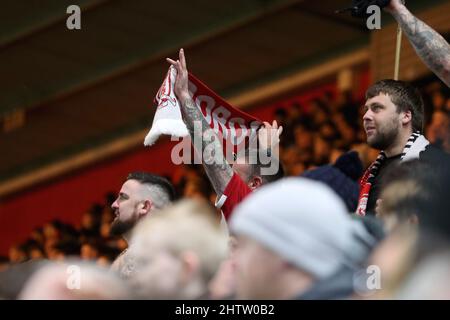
(182, 79)
(269, 135)
(394, 5)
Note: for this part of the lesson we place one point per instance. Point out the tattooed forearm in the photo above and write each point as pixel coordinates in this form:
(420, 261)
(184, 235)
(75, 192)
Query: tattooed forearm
(214, 162)
(431, 47)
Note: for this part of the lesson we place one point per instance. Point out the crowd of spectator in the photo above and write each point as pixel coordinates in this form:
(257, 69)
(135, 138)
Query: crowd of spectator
(314, 134)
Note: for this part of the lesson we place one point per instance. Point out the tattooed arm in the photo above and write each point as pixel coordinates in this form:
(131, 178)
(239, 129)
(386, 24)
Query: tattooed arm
(429, 45)
(214, 162)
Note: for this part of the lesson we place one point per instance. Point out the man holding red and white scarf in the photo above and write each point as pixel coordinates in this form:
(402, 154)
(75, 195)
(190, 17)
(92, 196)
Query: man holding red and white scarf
(232, 183)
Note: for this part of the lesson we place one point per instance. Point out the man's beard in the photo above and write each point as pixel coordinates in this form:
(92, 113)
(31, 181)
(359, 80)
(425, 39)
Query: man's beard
(383, 140)
(119, 228)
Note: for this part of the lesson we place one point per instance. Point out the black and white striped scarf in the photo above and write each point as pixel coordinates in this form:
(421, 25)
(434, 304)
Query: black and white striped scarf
(415, 144)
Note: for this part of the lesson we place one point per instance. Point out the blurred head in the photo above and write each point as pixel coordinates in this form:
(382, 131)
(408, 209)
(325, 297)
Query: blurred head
(296, 169)
(76, 280)
(320, 117)
(321, 151)
(405, 193)
(89, 251)
(177, 251)
(51, 230)
(291, 155)
(295, 111)
(328, 131)
(140, 195)
(394, 109)
(258, 271)
(17, 254)
(439, 130)
(394, 256)
(38, 235)
(409, 246)
(105, 229)
(223, 285)
(438, 99)
(13, 279)
(281, 115)
(291, 234)
(303, 138)
(89, 220)
(394, 209)
(35, 251)
(196, 189)
(4, 263)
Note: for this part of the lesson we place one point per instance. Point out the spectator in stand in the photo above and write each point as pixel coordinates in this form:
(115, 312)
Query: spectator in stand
(140, 195)
(414, 258)
(74, 280)
(293, 237)
(4, 264)
(232, 183)
(177, 251)
(17, 254)
(438, 132)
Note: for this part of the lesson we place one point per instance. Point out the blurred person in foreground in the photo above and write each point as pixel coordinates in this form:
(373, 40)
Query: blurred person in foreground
(223, 284)
(402, 191)
(414, 259)
(177, 251)
(295, 239)
(13, 279)
(74, 280)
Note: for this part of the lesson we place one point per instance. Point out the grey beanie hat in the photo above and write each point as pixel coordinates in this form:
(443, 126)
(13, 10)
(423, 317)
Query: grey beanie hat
(304, 222)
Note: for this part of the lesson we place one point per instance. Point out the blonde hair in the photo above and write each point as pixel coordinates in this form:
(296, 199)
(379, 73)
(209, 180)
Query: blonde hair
(188, 226)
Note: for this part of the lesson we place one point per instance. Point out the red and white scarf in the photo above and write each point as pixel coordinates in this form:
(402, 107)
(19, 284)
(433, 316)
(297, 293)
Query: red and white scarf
(232, 125)
(416, 144)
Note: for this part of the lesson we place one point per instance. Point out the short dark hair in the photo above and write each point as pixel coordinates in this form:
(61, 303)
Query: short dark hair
(152, 179)
(256, 168)
(267, 178)
(404, 96)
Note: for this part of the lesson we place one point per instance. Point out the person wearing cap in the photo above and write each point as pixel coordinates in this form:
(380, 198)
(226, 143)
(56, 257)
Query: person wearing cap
(291, 236)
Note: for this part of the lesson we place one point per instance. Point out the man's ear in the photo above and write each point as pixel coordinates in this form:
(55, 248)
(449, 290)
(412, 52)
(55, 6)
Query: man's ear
(146, 207)
(407, 117)
(255, 182)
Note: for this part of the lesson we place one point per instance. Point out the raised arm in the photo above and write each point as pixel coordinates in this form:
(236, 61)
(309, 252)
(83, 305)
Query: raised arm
(431, 47)
(216, 166)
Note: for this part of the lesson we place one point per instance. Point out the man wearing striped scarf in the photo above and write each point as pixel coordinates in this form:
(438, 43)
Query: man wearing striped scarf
(393, 122)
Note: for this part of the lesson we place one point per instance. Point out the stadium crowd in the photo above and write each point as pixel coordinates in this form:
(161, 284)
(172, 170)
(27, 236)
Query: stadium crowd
(358, 209)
